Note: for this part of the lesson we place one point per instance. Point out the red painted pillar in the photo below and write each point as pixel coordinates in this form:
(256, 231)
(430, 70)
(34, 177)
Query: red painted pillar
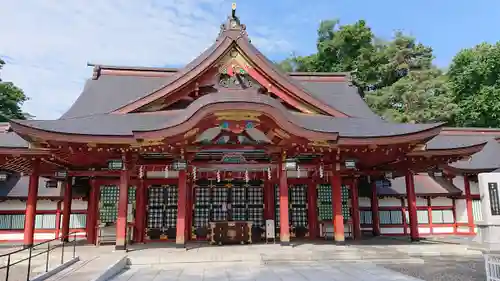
(58, 219)
(30, 213)
(189, 210)
(284, 217)
(180, 239)
(68, 195)
(375, 211)
(355, 210)
(312, 213)
(338, 217)
(91, 212)
(140, 212)
(269, 200)
(121, 220)
(468, 202)
(412, 206)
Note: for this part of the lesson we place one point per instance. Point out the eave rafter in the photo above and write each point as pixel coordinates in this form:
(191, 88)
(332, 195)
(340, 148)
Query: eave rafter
(423, 159)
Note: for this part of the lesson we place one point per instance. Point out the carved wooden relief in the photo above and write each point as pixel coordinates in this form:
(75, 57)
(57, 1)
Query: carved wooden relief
(237, 81)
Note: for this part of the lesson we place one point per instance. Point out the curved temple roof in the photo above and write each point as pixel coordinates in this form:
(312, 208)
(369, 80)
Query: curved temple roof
(127, 124)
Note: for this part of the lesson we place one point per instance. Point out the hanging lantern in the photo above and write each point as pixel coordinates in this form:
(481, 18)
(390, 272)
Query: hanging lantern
(321, 171)
(141, 172)
(298, 171)
(269, 173)
(194, 173)
(166, 171)
(218, 176)
(246, 176)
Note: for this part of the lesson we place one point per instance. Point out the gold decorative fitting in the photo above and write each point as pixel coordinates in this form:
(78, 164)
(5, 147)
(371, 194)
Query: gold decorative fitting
(420, 147)
(323, 143)
(281, 133)
(238, 115)
(148, 142)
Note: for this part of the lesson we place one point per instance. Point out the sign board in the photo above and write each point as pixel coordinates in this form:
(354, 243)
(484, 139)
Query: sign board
(494, 198)
(489, 190)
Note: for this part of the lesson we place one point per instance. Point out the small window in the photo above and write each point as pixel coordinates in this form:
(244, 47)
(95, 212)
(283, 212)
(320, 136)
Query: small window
(442, 216)
(365, 217)
(9, 222)
(391, 217)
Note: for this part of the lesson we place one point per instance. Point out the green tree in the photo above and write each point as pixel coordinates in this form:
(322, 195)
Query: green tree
(11, 100)
(385, 71)
(474, 77)
(419, 97)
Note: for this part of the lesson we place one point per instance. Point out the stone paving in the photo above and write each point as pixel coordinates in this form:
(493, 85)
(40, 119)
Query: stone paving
(289, 271)
(266, 262)
(369, 260)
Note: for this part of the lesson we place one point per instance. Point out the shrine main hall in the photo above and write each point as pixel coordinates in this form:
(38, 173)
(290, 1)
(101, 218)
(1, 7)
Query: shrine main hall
(230, 149)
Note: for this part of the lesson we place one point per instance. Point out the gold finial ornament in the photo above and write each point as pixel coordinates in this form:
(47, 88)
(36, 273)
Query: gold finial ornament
(233, 6)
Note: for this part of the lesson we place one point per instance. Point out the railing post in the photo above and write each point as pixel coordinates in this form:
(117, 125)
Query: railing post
(62, 252)
(8, 268)
(48, 256)
(29, 264)
(74, 245)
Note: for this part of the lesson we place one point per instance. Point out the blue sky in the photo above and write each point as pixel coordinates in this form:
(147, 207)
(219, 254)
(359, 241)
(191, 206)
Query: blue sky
(47, 44)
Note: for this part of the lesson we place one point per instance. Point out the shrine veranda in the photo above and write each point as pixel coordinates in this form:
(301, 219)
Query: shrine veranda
(229, 138)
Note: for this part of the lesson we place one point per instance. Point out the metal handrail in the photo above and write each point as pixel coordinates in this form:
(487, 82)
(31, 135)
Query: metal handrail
(45, 251)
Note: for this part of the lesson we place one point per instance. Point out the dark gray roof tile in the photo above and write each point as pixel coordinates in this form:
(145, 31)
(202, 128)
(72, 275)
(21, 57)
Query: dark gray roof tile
(487, 159)
(17, 186)
(12, 140)
(424, 184)
(117, 124)
(342, 96)
(109, 93)
(456, 141)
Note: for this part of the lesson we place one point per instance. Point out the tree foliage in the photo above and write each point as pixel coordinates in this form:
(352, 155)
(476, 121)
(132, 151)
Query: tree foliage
(396, 76)
(421, 96)
(474, 78)
(11, 100)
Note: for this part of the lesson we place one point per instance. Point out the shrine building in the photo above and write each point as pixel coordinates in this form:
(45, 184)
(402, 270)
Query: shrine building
(214, 150)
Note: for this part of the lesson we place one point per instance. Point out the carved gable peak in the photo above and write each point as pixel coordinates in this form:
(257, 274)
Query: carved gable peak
(233, 28)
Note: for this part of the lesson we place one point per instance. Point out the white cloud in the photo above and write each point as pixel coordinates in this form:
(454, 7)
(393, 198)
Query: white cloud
(48, 42)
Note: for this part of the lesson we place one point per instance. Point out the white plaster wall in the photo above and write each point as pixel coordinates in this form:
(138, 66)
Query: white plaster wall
(442, 229)
(458, 181)
(46, 205)
(13, 205)
(161, 174)
(420, 201)
(391, 230)
(463, 229)
(424, 230)
(295, 174)
(365, 201)
(442, 202)
(18, 205)
(389, 202)
(461, 210)
(77, 205)
(474, 188)
(19, 236)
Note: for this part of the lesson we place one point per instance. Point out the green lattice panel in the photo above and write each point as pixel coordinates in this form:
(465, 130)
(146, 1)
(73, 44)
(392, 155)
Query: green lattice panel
(346, 211)
(325, 211)
(108, 210)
